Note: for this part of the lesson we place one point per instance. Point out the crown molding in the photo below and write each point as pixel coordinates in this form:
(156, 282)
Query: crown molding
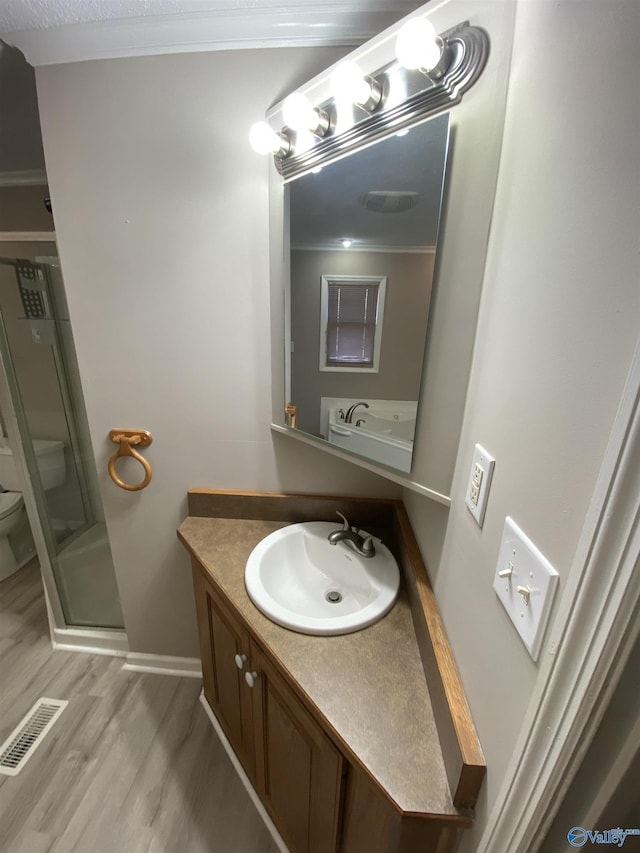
(27, 236)
(299, 24)
(379, 247)
(24, 178)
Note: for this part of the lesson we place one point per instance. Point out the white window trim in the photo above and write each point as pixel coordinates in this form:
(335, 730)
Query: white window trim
(381, 281)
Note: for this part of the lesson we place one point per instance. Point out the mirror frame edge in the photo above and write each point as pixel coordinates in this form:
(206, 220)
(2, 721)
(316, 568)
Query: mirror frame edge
(388, 473)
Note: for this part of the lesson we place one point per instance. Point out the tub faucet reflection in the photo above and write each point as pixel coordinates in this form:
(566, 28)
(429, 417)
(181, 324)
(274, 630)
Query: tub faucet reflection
(362, 544)
(349, 416)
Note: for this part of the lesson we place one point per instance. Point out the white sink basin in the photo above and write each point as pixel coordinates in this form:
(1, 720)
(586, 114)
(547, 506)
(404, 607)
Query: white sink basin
(293, 575)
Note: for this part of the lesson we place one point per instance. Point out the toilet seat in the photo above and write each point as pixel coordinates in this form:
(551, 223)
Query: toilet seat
(9, 502)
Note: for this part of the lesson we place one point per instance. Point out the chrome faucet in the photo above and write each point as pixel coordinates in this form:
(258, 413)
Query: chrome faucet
(349, 416)
(362, 544)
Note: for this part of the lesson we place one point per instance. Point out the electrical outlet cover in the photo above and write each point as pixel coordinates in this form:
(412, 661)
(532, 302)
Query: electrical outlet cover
(478, 483)
(530, 571)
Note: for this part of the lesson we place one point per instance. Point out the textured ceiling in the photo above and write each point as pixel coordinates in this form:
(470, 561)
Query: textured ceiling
(42, 14)
(62, 31)
(17, 15)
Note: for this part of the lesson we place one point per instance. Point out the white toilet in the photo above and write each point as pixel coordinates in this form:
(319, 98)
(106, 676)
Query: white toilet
(51, 465)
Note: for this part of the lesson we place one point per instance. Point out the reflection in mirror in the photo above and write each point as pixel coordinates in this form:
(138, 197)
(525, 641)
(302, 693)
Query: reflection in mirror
(363, 235)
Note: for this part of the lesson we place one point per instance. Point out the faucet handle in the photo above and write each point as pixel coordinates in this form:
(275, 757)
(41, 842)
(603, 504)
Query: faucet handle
(368, 548)
(346, 525)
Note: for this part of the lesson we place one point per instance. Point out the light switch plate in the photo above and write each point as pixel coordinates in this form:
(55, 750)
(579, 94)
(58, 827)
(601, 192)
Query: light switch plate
(479, 482)
(525, 582)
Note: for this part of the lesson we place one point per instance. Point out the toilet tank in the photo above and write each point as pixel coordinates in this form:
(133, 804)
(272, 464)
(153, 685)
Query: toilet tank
(50, 458)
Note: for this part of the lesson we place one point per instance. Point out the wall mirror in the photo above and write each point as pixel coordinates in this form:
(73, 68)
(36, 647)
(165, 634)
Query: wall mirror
(363, 236)
(355, 205)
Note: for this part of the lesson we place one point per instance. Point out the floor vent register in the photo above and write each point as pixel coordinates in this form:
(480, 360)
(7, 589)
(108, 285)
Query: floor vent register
(29, 734)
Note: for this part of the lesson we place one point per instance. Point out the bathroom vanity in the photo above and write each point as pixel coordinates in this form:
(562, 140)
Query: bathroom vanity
(355, 742)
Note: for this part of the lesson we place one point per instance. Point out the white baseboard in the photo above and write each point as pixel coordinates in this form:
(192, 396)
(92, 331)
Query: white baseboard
(111, 642)
(277, 838)
(163, 665)
(92, 641)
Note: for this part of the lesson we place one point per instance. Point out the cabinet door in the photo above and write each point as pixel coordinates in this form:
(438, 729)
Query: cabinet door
(298, 770)
(222, 638)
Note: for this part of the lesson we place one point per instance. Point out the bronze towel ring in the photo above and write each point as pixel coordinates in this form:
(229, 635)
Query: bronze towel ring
(127, 439)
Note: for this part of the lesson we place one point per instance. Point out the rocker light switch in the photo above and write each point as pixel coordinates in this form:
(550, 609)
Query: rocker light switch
(525, 582)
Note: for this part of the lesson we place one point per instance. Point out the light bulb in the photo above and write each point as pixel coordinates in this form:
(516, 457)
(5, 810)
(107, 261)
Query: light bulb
(346, 243)
(418, 45)
(264, 139)
(349, 83)
(298, 113)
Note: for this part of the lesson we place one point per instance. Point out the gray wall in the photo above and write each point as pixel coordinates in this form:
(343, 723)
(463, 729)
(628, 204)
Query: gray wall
(559, 318)
(22, 209)
(404, 328)
(20, 139)
(162, 228)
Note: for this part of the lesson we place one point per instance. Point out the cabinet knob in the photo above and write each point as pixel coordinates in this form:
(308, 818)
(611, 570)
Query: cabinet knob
(251, 678)
(240, 661)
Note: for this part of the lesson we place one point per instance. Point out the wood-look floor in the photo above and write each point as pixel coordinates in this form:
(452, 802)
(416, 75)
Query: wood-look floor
(131, 766)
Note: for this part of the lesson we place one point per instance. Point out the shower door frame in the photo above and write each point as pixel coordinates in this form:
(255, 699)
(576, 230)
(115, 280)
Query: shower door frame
(108, 641)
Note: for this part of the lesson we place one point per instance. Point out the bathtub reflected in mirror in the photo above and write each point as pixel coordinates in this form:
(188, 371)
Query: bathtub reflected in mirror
(370, 217)
(382, 432)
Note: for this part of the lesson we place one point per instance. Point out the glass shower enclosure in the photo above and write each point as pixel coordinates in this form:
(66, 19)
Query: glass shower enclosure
(44, 393)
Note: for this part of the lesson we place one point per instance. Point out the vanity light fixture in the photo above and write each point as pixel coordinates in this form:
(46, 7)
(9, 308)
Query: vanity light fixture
(300, 115)
(390, 100)
(264, 140)
(420, 48)
(350, 84)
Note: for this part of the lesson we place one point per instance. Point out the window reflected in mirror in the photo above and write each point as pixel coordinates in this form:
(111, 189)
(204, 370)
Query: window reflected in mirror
(363, 240)
(351, 317)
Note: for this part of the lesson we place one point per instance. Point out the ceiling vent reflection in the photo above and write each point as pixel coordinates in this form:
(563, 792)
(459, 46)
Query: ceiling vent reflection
(390, 201)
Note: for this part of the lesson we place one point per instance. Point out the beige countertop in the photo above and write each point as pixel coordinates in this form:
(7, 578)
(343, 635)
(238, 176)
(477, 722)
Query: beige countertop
(369, 686)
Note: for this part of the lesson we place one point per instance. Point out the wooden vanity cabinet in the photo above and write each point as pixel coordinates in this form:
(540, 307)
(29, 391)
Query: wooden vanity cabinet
(299, 772)
(321, 800)
(327, 787)
(223, 645)
(295, 768)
